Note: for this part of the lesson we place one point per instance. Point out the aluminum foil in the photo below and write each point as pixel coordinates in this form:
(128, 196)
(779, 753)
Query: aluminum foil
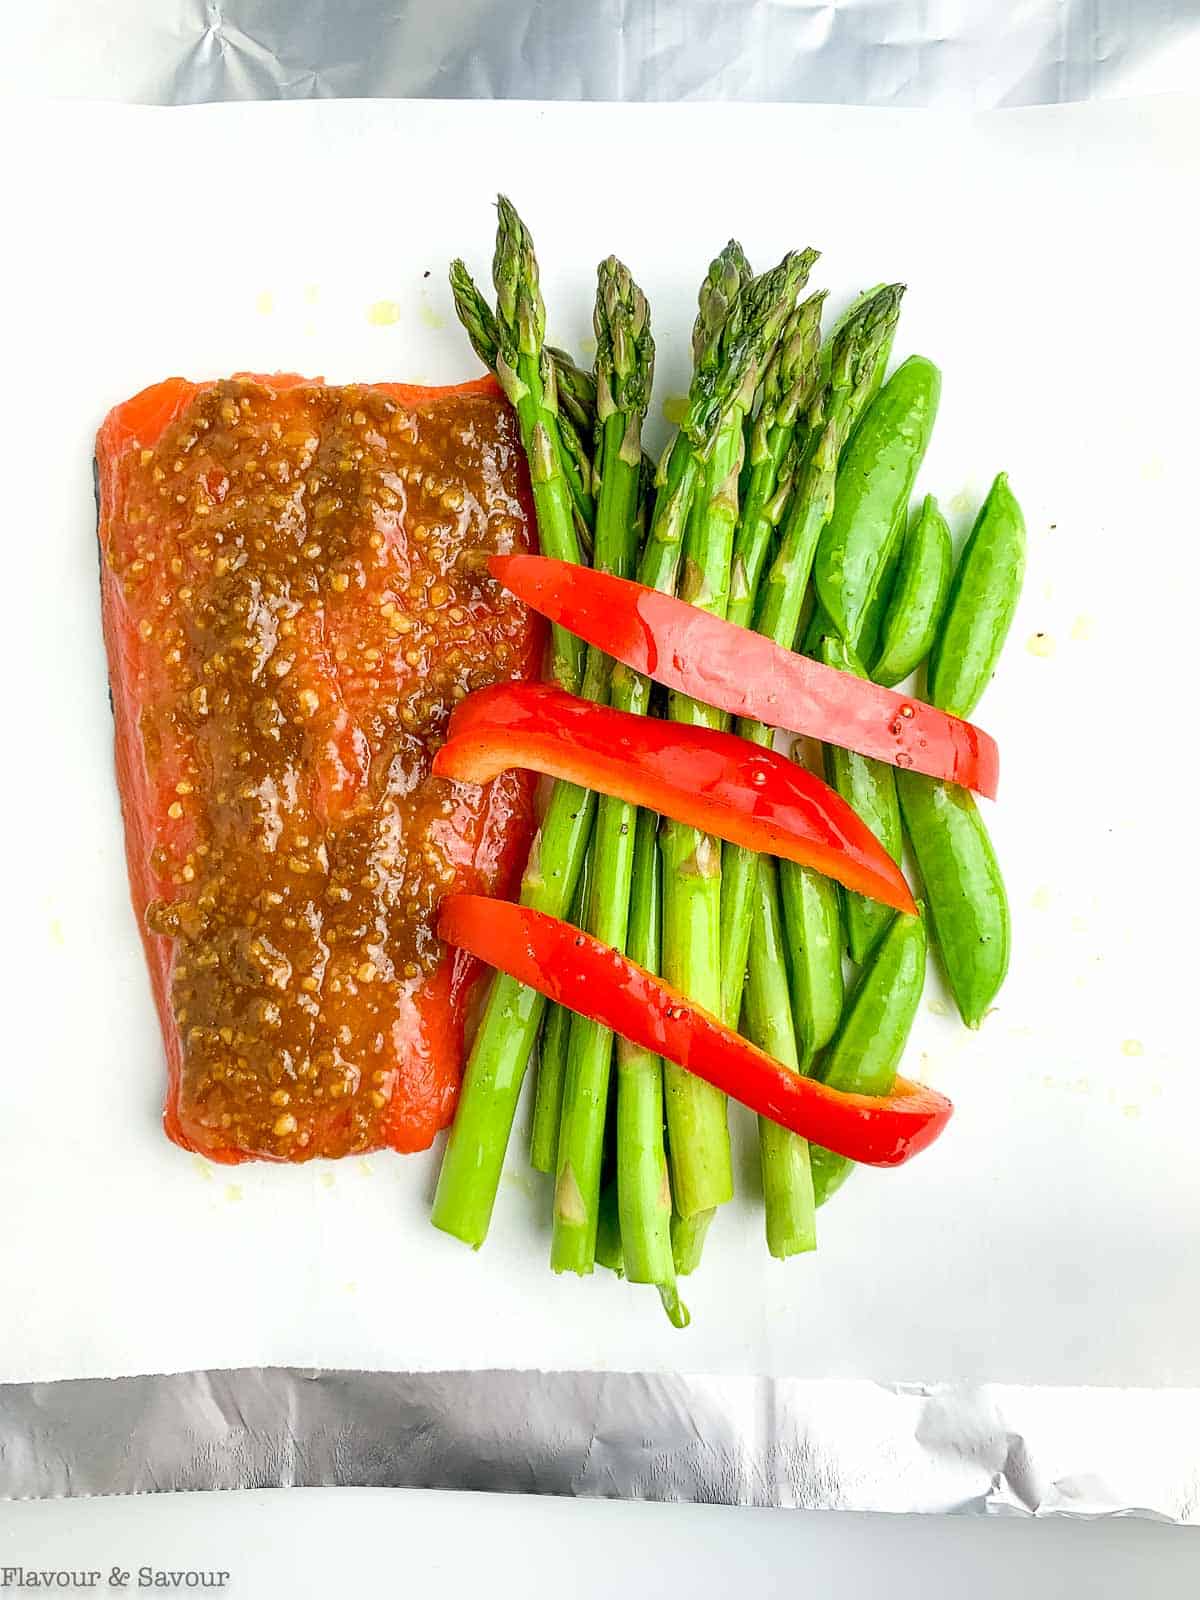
(734, 1441)
(858, 52)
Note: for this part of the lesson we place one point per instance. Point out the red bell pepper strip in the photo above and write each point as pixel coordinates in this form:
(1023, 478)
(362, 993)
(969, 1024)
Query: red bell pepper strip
(579, 972)
(740, 671)
(714, 781)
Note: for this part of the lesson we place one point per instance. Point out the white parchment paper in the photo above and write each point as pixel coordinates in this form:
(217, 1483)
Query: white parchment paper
(1050, 1237)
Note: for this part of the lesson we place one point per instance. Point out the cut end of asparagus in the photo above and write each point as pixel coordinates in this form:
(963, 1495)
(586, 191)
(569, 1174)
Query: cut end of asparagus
(687, 1240)
(677, 1313)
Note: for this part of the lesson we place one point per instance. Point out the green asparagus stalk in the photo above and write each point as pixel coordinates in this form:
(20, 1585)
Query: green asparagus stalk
(551, 1075)
(813, 918)
(871, 387)
(750, 895)
(576, 391)
(788, 388)
(624, 374)
(852, 368)
(574, 394)
(643, 1183)
(495, 1070)
(720, 369)
(496, 1067)
(718, 366)
(687, 1240)
(786, 1169)
(552, 1062)
(701, 1162)
(728, 274)
(610, 1252)
(815, 622)
(737, 322)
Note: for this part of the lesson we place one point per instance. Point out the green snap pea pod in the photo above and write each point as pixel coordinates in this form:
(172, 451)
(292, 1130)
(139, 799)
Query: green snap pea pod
(983, 597)
(918, 596)
(812, 917)
(963, 888)
(877, 606)
(866, 1053)
(874, 486)
(786, 1171)
(868, 786)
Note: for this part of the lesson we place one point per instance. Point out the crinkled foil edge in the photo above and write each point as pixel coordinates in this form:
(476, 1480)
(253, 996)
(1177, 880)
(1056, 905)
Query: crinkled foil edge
(854, 52)
(992, 1449)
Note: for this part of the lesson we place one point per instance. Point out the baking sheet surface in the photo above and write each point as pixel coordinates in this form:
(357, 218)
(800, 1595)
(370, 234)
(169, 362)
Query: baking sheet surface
(1050, 1237)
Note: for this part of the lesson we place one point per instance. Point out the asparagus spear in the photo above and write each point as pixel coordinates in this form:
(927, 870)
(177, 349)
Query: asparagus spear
(552, 1063)
(750, 911)
(719, 358)
(643, 1183)
(624, 374)
(853, 364)
(872, 386)
(610, 1252)
(734, 327)
(786, 1167)
(788, 387)
(728, 274)
(495, 1069)
(556, 1029)
(701, 1162)
(574, 394)
(576, 391)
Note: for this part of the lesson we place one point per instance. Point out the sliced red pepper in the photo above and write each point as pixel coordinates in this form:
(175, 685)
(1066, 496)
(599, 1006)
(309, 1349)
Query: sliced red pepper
(579, 972)
(740, 671)
(713, 781)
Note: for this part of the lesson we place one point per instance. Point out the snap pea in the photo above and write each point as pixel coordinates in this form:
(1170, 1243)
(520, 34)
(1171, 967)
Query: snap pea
(874, 485)
(968, 906)
(869, 787)
(812, 918)
(983, 598)
(867, 1050)
(918, 596)
(965, 892)
(876, 608)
